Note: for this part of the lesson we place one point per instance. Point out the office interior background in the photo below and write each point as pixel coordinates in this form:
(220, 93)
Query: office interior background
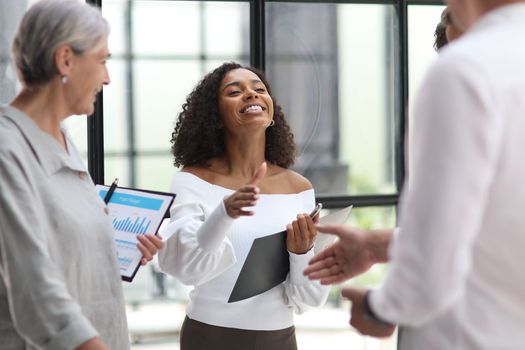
(345, 73)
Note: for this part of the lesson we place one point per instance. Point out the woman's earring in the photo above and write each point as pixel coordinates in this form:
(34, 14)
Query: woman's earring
(272, 123)
(64, 79)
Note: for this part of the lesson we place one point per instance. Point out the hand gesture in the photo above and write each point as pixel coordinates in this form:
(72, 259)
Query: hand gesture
(149, 245)
(354, 253)
(359, 318)
(300, 234)
(246, 196)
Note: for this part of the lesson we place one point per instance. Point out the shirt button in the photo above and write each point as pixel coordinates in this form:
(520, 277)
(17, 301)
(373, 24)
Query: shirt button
(81, 175)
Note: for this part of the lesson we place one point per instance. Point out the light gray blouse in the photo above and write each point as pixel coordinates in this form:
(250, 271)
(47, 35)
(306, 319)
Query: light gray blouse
(60, 283)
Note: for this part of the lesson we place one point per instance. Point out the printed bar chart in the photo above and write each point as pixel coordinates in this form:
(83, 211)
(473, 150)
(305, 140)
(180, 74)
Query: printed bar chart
(136, 226)
(125, 252)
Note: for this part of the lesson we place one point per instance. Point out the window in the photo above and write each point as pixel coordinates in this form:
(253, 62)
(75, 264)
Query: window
(336, 82)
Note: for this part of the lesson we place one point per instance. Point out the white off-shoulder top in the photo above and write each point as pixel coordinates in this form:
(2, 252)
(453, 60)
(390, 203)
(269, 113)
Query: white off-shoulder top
(206, 248)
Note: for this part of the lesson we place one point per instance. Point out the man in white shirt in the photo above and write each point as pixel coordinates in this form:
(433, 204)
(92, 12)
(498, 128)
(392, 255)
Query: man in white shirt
(456, 279)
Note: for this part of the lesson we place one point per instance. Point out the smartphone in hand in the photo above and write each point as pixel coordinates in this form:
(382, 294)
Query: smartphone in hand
(316, 210)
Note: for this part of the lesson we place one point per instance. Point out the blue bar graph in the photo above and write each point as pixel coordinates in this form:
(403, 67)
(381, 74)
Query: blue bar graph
(138, 225)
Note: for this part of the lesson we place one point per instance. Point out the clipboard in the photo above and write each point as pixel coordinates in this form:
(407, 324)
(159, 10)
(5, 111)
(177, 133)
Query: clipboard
(134, 212)
(267, 264)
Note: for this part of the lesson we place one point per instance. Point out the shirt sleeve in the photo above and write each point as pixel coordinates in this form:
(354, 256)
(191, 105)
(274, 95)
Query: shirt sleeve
(300, 292)
(456, 142)
(197, 249)
(40, 307)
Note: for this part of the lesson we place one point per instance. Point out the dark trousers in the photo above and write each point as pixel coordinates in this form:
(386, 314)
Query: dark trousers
(196, 335)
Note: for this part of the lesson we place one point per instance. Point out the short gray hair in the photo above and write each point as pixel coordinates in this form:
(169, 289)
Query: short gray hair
(49, 24)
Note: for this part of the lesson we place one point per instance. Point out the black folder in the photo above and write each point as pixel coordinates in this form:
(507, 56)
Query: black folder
(266, 266)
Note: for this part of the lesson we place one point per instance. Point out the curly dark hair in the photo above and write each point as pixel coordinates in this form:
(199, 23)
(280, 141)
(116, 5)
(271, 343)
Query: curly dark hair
(198, 135)
(440, 34)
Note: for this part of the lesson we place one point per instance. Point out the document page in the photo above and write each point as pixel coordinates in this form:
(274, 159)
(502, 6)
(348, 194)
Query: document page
(134, 212)
(336, 218)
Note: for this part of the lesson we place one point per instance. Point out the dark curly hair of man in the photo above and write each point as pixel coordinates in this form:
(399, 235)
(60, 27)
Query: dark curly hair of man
(198, 135)
(440, 34)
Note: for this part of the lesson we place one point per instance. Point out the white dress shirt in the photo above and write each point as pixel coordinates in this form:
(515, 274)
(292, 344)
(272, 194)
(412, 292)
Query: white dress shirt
(206, 248)
(457, 279)
(59, 279)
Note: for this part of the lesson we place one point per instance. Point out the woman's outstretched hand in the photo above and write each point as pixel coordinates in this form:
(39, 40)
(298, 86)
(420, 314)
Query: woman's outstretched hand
(246, 196)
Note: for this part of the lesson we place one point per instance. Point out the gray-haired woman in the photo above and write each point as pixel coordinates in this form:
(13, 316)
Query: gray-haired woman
(60, 284)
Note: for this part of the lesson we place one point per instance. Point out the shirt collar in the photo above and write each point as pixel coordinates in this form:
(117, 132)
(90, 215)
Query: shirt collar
(50, 154)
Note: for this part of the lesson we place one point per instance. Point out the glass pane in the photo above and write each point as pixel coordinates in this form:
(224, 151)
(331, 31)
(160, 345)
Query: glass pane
(161, 88)
(422, 21)
(76, 127)
(166, 27)
(115, 12)
(155, 172)
(228, 38)
(115, 111)
(116, 166)
(335, 81)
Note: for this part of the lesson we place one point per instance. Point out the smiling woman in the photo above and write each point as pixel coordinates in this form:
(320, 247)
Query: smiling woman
(235, 186)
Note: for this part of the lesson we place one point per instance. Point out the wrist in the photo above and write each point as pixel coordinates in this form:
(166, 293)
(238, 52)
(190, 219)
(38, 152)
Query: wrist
(370, 315)
(378, 243)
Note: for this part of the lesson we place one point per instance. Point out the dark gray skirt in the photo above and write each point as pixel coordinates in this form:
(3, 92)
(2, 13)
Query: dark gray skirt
(196, 335)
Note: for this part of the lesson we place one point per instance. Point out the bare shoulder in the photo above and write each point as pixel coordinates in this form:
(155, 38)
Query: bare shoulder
(213, 173)
(291, 180)
(197, 170)
(299, 182)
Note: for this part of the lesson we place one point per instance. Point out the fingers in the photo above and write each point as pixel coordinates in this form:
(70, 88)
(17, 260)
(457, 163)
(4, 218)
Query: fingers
(259, 174)
(360, 319)
(353, 294)
(297, 232)
(327, 271)
(301, 234)
(302, 226)
(146, 255)
(246, 196)
(149, 245)
(339, 278)
(320, 268)
(336, 230)
(323, 254)
(156, 240)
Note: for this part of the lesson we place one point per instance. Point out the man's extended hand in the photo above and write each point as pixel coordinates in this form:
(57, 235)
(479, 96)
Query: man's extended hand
(354, 253)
